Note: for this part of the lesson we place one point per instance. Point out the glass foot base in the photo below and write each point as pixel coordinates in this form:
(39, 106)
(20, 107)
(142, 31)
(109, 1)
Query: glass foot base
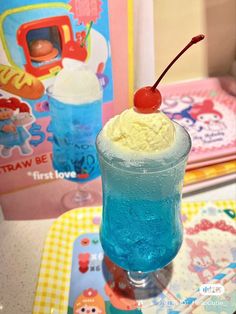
(136, 290)
(146, 288)
(77, 198)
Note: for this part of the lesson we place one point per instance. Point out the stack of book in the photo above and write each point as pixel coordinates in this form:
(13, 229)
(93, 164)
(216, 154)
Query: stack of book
(208, 111)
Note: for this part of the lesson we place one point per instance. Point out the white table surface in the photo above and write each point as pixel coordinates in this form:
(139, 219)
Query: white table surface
(21, 244)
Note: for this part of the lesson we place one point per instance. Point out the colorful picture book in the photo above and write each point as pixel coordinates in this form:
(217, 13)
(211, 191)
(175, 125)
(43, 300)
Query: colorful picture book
(208, 112)
(201, 279)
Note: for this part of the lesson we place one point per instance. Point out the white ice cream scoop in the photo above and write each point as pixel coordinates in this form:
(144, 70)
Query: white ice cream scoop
(76, 84)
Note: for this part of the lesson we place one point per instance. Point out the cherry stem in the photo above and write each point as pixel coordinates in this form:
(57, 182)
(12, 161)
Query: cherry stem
(194, 40)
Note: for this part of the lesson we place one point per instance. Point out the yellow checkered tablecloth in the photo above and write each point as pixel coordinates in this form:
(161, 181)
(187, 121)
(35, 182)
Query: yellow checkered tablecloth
(192, 209)
(54, 278)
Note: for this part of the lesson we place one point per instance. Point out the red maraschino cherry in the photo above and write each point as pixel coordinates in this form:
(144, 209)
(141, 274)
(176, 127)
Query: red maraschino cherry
(148, 99)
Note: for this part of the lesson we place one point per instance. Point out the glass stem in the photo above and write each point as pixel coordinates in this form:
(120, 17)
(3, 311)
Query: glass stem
(138, 278)
(82, 194)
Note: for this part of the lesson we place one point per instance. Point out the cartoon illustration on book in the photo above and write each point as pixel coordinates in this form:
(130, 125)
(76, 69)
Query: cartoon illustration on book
(207, 117)
(184, 118)
(175, 104)
(14, 117)
(202, 263)
(204, 118)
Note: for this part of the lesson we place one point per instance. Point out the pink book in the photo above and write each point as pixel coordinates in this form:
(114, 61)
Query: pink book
(208, 112)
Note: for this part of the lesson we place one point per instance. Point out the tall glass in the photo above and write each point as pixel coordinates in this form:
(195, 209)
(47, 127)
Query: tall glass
(75, 128)
(141, 228)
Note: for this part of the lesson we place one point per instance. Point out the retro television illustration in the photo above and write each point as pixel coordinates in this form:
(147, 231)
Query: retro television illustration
(36, 37)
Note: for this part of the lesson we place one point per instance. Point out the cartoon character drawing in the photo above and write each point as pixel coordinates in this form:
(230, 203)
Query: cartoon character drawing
(184, 118)
(90, 302)
(174, 104)
(202, 262)
(118, 289)
(14, 116)
(207, 117)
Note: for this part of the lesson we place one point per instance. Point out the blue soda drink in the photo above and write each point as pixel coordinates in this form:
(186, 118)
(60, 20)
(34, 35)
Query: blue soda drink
(141, 226)
(74, 128)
